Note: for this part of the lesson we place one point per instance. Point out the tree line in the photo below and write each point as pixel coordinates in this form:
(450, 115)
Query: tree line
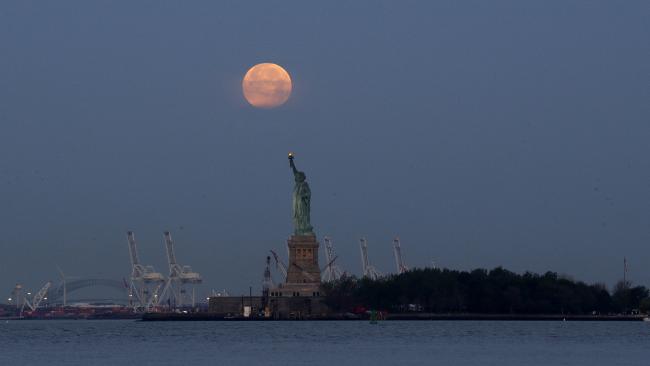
(497, 291)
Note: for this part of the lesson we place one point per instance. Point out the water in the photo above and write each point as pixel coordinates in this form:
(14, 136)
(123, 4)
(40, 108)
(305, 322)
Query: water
(457, 343)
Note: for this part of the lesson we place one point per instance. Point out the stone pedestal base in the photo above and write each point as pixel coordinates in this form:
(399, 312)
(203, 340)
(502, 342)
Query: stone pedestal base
(303, 272)
(303, 260)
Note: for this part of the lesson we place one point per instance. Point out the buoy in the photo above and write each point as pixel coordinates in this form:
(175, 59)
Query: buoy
(373, 317)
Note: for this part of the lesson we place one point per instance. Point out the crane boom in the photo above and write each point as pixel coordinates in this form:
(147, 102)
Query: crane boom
(333, 271)
(329, 266)
(38, 297)
(133, 250)
(137, 270)
(41, 295)
(364, 256)
(144, 279)
(368, 270)
(179, 276)
(279, 264)
(171, 256)
(397, 252)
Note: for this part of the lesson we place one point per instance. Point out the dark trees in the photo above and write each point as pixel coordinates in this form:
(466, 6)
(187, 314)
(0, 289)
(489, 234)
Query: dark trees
(497, 291)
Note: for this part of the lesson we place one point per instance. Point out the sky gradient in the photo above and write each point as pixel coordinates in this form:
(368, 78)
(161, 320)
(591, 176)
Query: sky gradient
(482, 133)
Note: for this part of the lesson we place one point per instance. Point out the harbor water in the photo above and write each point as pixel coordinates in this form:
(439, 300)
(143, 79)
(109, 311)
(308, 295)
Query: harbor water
(127, 342)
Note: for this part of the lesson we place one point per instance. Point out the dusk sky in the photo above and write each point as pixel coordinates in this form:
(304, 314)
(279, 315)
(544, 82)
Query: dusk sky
(484, 134)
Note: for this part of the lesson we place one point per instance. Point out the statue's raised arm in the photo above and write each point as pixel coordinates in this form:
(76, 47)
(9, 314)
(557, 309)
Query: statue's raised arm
(292, 165)
(301, 202)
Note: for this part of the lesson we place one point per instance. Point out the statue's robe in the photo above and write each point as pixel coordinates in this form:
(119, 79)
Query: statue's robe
(301, 208)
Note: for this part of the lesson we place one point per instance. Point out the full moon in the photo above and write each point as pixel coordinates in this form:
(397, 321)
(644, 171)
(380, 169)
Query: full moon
(266, 85)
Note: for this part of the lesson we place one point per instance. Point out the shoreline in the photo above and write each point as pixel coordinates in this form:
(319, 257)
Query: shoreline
(394, 317)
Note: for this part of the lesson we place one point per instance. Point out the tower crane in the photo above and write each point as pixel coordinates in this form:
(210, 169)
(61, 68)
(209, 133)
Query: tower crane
(332, 271)
(145, 281)
(179, 276)
(397, 252)
(368, 270)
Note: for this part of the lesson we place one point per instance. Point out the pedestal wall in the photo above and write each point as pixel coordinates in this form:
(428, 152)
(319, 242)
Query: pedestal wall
(303, 260)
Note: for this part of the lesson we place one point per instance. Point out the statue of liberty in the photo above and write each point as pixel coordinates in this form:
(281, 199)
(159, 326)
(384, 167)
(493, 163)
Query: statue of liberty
(301, 202)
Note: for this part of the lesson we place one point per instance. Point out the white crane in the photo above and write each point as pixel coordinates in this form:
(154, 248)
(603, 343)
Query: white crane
(332, 271)
(279, 265)
(179, 276)
(36, 300)
(145, 281)
(368, 270)
(399, 261)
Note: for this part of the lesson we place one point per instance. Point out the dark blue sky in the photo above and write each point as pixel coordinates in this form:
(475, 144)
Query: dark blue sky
(482, 133)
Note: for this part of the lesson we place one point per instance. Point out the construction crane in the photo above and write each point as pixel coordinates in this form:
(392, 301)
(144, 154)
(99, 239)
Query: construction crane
(145, 281)
(332, 271)
(368, 270)
(179, 276)
(324, 270)
(399, 261)
(36, 300)
(279, 265)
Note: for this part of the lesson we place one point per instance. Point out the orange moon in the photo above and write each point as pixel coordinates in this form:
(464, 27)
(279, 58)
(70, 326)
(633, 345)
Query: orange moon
(266, 85)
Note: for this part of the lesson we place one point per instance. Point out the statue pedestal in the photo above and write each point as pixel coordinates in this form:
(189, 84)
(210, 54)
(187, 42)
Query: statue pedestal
(303, 272)
(303, 260)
